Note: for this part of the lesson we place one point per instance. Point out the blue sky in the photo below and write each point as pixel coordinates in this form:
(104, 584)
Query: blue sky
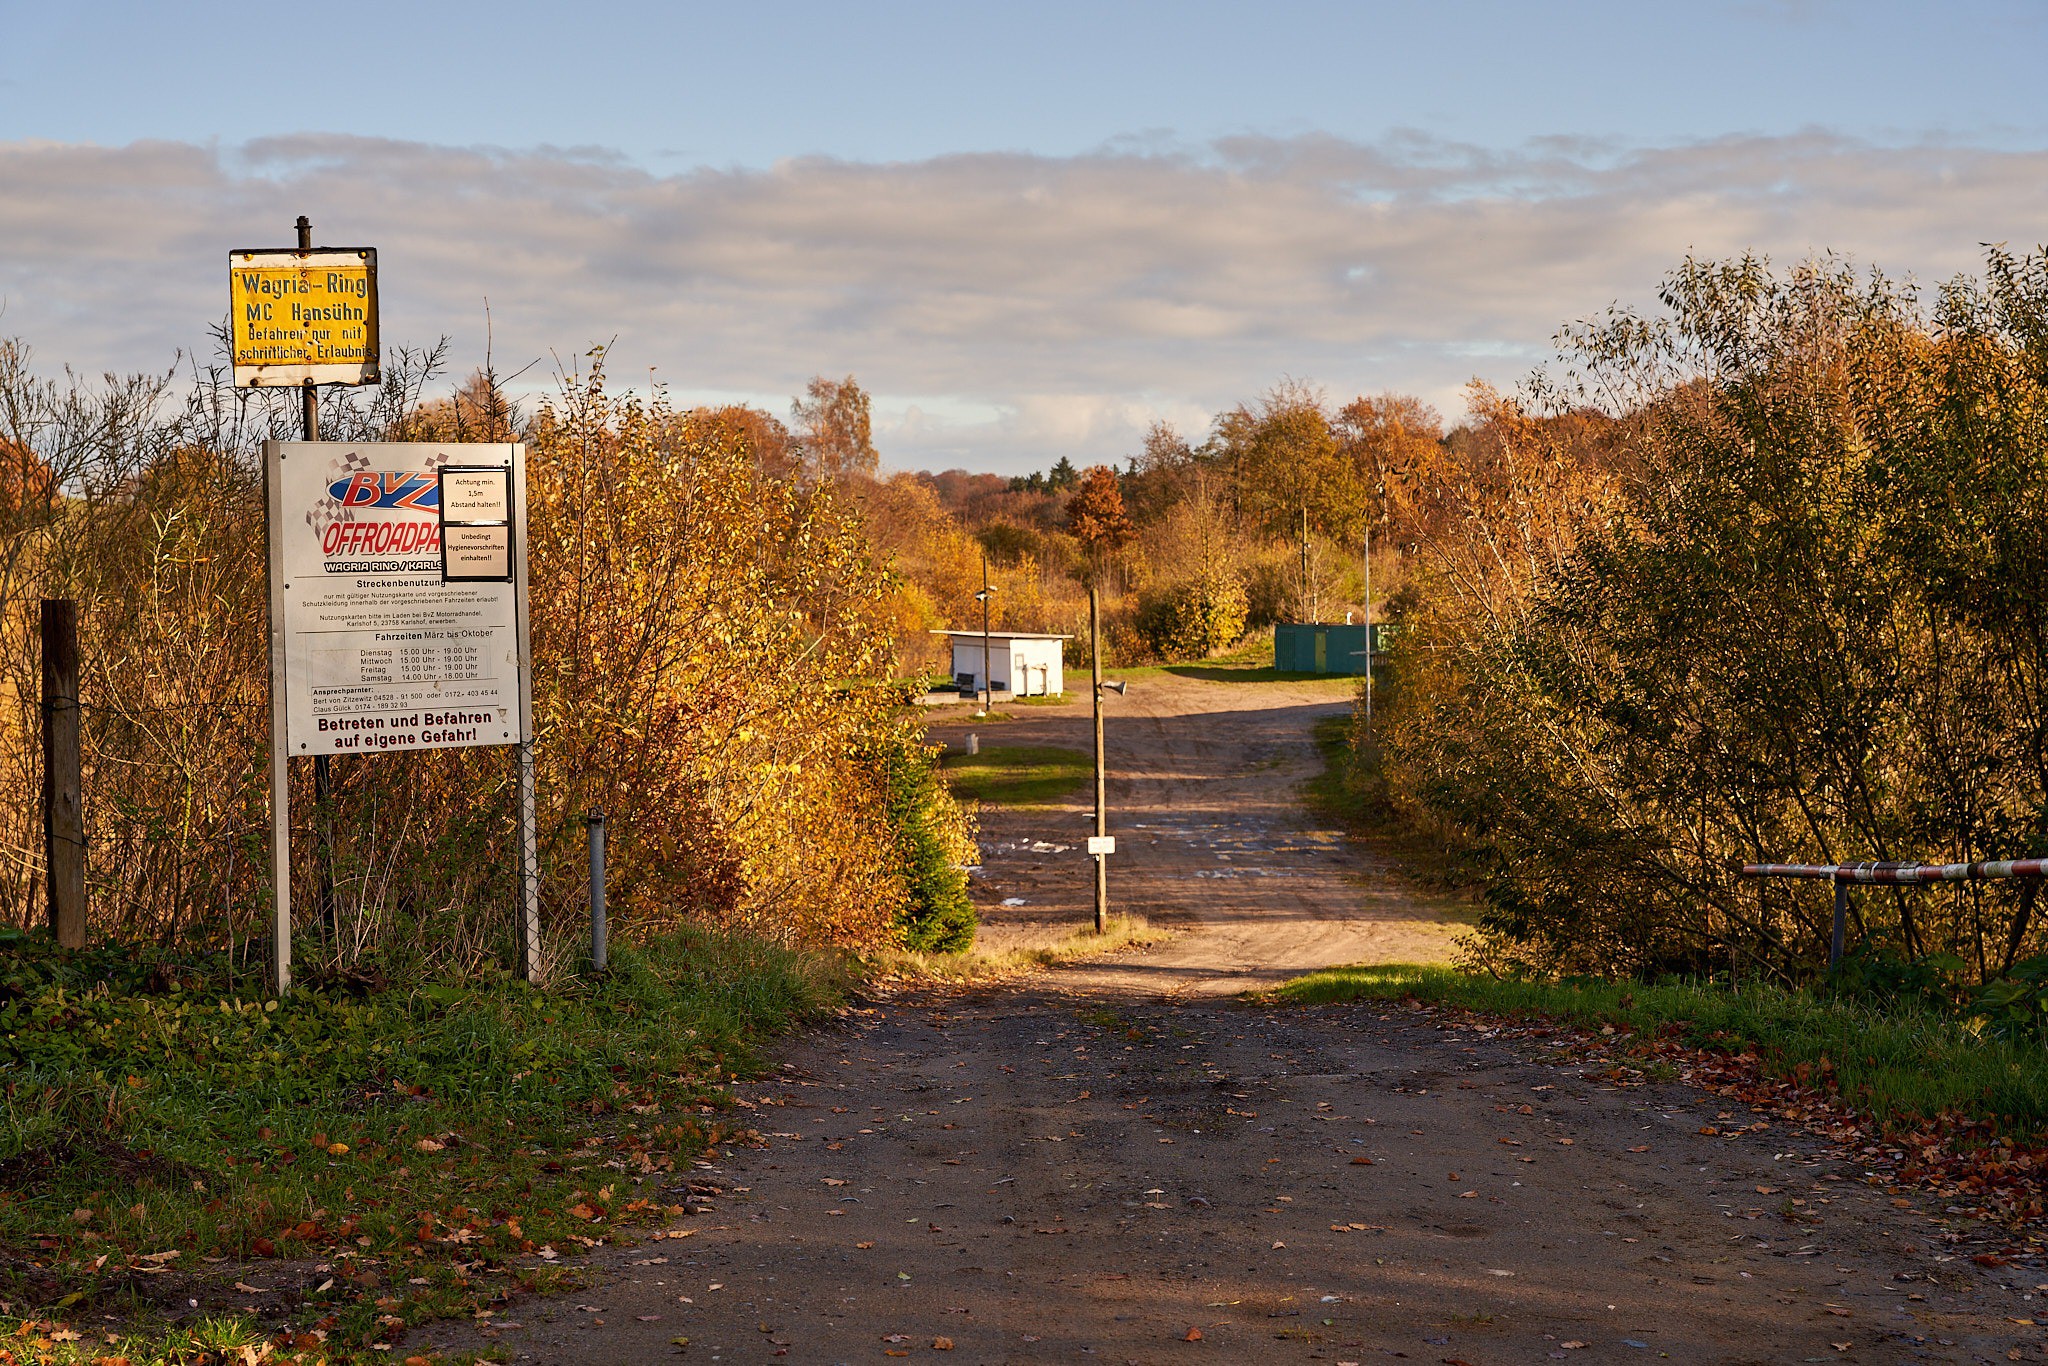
(1030, 229)
(671, 84)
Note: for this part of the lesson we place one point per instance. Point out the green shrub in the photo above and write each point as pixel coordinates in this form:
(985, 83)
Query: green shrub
(932, 844)
(1194, 617)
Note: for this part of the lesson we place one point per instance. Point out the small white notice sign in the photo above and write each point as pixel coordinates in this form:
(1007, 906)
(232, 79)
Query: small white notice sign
(375, 647)
(1102, 844)
(476, 524)
(476, 495)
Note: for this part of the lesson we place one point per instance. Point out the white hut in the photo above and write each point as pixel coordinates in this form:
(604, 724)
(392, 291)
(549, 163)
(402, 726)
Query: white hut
(1022, 663)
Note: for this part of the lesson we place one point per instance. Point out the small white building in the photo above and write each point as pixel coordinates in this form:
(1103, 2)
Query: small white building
(1022, 663)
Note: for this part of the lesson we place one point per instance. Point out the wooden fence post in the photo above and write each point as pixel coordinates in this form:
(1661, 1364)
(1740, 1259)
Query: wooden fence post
(63, 780)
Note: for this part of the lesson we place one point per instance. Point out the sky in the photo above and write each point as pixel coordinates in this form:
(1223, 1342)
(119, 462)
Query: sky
(1029, 230)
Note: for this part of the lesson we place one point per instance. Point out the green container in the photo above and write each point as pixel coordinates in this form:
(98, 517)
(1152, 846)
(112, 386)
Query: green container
(1324, 647)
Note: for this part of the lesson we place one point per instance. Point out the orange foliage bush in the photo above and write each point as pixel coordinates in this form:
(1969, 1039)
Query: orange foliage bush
(710, 636)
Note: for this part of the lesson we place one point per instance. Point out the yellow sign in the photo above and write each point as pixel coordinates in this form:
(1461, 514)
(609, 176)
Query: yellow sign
(299, 316)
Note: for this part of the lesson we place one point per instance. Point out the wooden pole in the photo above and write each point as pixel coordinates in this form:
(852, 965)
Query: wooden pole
(63, 775)
(1101, 799)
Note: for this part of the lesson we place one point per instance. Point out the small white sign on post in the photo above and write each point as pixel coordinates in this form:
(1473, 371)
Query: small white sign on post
(386, 639)
(1102, 844)
(476, 525)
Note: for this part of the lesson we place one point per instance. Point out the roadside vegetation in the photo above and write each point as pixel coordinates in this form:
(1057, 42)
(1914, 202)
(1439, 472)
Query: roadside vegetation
(1748, 579)
(1743, 582)
(706, 603)
(189, 1166)
(988, 965)
(412, 1132)
(1905, 1062)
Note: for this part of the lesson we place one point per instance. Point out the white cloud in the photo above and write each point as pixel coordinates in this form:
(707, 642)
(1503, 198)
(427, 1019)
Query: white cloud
(1005, 308)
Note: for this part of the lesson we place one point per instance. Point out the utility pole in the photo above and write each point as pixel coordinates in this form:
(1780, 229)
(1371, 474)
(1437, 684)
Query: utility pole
(1304, 564)
(1101, 804)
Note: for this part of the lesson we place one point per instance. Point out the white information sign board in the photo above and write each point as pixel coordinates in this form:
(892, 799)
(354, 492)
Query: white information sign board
(379, 651)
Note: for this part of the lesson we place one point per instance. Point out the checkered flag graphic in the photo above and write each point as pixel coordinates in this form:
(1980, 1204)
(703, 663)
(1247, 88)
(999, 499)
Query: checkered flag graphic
(328, 510)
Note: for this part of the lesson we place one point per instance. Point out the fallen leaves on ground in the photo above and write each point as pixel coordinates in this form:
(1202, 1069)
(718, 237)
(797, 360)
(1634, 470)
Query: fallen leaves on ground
(1980, 1173)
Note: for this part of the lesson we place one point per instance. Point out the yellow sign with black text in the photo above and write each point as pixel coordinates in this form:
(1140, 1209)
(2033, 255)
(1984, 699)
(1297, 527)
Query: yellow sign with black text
(299, 316)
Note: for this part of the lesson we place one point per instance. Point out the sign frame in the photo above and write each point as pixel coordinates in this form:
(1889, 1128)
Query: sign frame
(277, 525)
(251, 369)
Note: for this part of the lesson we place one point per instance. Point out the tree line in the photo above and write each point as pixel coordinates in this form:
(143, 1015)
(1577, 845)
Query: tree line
(1755, 577)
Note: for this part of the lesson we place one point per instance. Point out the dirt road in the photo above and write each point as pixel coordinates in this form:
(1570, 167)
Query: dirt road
(1204, 784)
(1120, 1162)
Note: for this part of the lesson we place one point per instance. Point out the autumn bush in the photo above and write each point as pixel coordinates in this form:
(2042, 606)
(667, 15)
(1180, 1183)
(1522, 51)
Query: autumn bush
(1752, 579)
(710, 645)
(1192, 618)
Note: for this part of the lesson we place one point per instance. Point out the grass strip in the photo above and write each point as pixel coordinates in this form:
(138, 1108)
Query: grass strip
(369, 1162)
(1904, 1065)
(981, 965)
(1018, 775)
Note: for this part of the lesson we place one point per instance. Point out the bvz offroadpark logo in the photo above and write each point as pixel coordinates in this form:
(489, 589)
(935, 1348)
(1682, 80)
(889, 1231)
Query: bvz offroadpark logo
(372, 521)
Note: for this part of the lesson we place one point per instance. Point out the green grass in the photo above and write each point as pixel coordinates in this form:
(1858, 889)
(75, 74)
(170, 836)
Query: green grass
(1018, 775)
(1327, 793)
(445, 1132)
(1903, 1064)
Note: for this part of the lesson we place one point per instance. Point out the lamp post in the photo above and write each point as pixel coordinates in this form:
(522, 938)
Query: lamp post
(988, 682)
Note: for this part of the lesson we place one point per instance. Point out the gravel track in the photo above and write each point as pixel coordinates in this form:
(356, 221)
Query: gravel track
(1120, 1161)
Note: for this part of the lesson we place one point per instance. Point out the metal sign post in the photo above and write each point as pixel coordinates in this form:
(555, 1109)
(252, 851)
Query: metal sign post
(529, 839)
(303, 316)
(988, 682)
